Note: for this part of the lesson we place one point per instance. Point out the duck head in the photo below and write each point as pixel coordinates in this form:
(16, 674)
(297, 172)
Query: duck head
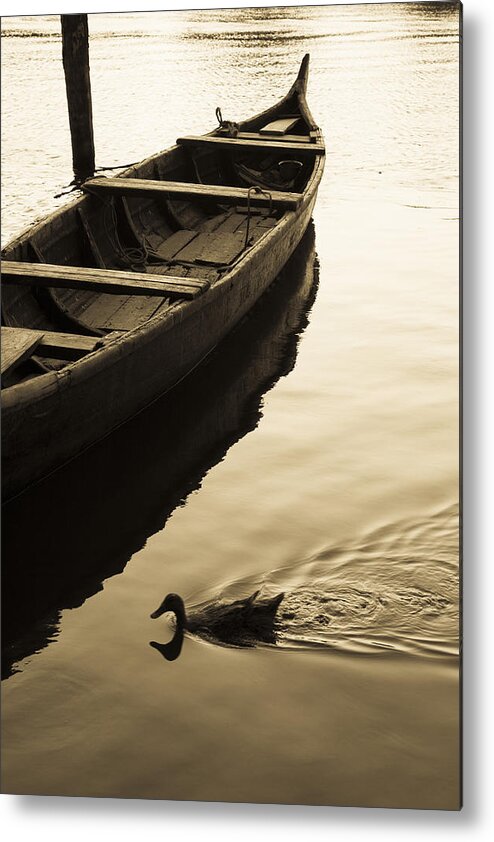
(174, 603)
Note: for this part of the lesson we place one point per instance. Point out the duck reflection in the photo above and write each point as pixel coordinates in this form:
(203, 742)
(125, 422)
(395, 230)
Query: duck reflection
(171, 650)
(62, 538)
(243, 622)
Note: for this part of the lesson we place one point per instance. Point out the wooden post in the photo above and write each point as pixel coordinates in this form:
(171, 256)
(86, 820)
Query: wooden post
(75, 55)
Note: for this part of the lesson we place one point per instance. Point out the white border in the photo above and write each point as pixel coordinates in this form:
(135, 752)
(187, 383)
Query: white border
(46, 818)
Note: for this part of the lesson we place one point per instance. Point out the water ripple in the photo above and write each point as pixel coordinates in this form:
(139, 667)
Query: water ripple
(394, 591)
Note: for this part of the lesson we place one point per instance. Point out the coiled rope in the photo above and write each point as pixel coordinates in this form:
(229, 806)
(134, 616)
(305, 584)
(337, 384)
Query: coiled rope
(228, 127)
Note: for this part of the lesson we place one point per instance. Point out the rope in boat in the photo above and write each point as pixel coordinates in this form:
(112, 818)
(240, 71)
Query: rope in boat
(117, 167)
(135, 257)
(67, 192)
(230, 128)
(76, 185)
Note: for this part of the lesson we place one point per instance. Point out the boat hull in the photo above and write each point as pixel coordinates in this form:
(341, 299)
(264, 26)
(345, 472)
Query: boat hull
(49, 420)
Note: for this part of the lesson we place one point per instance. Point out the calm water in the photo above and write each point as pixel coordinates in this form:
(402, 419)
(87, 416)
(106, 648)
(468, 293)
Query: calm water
(315, 453)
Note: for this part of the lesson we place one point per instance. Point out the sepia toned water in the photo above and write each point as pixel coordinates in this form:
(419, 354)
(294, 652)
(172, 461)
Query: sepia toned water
(315, 453)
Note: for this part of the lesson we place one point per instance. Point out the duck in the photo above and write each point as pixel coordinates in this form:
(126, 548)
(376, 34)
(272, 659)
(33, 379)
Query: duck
(243, 622)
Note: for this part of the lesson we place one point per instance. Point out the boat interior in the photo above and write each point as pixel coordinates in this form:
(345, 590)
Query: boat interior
(162, 232)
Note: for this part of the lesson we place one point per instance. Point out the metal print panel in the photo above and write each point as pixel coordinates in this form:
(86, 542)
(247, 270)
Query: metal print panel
(230, 346)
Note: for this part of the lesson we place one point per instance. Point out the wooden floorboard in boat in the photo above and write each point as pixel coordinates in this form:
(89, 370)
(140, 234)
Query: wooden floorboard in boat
(216, 248)
(152, 239)
(134, 311)
(257, 222)
(73, 301)
(266, 222)
(214, 222)
(231, 223)
(100, 310)
(208, 273)
(113, 312)
(163, 269)
(235, 220)
(125, 312)
(171, 246)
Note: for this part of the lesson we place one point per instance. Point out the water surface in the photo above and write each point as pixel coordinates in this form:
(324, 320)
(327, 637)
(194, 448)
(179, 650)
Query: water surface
(324, 463)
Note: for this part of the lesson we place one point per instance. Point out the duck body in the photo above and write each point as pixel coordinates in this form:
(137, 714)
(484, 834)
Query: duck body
(243, 622)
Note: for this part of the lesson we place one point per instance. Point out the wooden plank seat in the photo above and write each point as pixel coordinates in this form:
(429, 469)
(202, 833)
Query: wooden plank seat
(66, 346)
(17, 345)
(280, 127)
(244, 145)
(266, 139)
(224, 195)
(100, 280)
(45, 343)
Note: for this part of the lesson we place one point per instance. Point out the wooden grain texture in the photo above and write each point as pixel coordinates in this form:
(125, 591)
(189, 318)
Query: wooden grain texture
(102, 280)
(287, 138)
(47, 343)
(145, 187)
(217, 249)
(280, 127)
(244, 145)
(88, 233)
(75, 56)
(17, 345)
(133, 312)
(100, 309)
(66, 346)
(169, 248)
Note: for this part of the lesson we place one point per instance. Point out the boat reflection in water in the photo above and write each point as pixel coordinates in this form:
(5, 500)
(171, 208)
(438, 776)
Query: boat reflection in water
(67, 534)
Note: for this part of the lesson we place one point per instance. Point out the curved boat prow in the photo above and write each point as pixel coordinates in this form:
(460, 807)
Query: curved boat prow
(300, 84)
(299, 89)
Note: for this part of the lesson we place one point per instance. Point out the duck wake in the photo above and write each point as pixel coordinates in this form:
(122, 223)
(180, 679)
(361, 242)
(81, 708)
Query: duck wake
(396, 591)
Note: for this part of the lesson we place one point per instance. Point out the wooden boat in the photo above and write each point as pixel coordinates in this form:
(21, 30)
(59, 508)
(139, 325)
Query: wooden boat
(110, 301)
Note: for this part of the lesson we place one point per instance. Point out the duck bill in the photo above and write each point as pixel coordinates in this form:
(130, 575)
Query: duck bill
(159, 611)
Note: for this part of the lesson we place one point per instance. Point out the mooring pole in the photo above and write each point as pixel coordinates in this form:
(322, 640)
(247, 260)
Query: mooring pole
(75, 55)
